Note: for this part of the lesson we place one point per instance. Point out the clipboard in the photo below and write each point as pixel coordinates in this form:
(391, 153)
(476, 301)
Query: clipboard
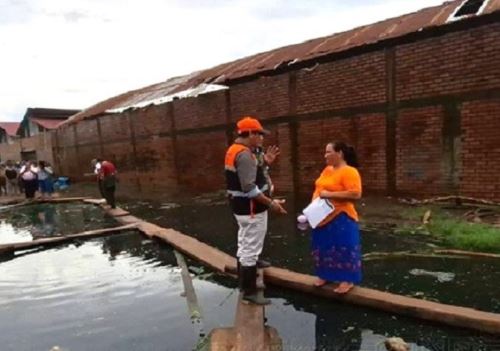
(317, 211)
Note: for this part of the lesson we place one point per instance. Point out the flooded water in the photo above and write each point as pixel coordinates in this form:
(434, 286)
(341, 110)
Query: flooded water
(19, 224)
(475, 282)
(124, 292)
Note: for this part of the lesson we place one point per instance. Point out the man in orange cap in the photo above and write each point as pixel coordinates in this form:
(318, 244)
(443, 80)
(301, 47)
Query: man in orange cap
(248, 192)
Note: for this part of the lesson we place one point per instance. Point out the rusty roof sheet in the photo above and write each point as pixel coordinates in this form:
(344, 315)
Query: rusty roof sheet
(289, 55)
(10, 127)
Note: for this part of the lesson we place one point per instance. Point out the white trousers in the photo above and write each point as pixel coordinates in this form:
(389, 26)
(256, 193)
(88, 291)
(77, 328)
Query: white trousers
(251, 235)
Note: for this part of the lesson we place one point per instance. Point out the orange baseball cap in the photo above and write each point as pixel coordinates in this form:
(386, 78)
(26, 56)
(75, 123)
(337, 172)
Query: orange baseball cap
(250, 124)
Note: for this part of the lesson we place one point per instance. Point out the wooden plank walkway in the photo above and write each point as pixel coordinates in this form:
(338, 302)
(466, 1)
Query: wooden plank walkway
(437, 312)
(447, 314)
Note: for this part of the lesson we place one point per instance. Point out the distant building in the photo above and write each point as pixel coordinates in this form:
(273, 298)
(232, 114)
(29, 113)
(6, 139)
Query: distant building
(38, 120)
(8, 132)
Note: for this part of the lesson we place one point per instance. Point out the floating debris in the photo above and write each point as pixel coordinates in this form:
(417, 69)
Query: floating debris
(442, 277)
(396, 344)
(169, 206)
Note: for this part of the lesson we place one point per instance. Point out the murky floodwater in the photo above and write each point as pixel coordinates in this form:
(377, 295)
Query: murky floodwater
(474, 282)
(124, 292)
(25, 223)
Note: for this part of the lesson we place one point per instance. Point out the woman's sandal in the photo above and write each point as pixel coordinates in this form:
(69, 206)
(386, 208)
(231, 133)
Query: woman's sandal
(343, 288)
(319, 283)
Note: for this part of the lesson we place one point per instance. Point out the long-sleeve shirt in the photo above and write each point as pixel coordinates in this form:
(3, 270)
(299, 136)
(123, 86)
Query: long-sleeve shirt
(246, 167)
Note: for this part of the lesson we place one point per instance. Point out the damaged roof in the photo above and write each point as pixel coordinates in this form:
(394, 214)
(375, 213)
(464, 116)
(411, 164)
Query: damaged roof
(291, 55)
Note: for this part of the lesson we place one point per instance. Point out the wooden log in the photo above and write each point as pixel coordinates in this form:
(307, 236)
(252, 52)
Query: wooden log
(398, 254)
(56, 240)
(466, 253)
(432, 311)
(61, 200)
(249, 327)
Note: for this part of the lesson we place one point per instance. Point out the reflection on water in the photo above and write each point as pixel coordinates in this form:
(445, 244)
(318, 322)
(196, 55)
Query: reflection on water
(124, 292)
(44, 220)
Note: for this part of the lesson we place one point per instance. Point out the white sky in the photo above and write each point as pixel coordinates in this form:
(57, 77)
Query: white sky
(75, 53)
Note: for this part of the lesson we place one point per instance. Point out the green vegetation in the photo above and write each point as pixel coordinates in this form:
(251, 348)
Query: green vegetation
(450, 228)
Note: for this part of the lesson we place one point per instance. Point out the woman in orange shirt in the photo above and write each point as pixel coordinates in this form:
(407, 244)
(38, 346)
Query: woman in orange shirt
(336, 246)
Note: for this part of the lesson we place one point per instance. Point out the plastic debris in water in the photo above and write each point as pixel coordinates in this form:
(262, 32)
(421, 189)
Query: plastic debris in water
(440, 276)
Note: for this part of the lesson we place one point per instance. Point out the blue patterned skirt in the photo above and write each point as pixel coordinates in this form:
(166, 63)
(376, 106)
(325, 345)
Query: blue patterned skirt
(336, 250)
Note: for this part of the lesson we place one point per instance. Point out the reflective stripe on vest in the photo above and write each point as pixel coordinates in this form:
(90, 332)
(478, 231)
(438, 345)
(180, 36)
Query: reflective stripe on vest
(235, 193)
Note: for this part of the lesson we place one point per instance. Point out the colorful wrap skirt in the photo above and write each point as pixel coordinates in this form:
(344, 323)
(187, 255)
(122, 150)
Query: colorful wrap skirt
(336, 250)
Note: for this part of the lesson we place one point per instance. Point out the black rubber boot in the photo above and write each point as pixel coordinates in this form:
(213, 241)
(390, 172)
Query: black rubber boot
(250, 292)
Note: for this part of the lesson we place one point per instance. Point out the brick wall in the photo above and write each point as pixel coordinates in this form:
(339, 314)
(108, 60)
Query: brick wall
(264, 97)
(200, 164)
(345, 83)
(371, 148)
(481, 149)
(204, 111)
(419, 150)
(441, 120)
(42, 144)
(457, 62)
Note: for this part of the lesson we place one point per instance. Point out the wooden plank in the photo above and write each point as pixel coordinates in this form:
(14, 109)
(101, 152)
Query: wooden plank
(116, 212)
(467, 253)
(428, 310)
(128, 219)
(192, 301)
(23, 202)
(249, 327)
(95, 201)
(447, 314)
(61, 199)
(222, 339)
(11, 247)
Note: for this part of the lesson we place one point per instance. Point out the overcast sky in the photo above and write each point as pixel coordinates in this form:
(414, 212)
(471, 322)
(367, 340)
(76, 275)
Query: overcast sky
(75, 53)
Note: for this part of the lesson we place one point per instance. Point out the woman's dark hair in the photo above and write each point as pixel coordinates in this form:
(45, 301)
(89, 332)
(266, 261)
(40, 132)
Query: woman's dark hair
(42, 164)
(348, 151)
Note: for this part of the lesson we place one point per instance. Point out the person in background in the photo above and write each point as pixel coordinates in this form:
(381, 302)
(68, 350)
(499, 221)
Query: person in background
(11, 177)
(106, 180)
(97, 167)
(336, 247)
(45, 181)
(3, 180)
(28, 175)
(20, 183)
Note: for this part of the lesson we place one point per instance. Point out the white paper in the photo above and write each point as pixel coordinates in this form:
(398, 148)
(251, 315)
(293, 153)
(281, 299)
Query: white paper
(317, 211)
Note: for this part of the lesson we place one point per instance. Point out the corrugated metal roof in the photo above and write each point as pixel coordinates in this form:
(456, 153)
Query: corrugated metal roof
(47, 123)
(289, 55)
(10, 127)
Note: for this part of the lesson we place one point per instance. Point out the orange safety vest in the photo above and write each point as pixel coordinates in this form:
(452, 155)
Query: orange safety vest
(241, 204)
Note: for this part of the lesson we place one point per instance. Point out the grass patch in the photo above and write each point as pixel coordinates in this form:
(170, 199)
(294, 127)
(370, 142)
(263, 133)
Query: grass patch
(467, 236)
(451, 229)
